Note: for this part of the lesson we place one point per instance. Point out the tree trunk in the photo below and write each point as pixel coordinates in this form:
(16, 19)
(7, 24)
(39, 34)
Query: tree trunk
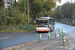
(34, 16)
(15, 2)
(30, 4)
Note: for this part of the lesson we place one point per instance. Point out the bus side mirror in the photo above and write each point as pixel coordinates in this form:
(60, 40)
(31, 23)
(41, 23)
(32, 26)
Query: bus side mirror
(34, 21)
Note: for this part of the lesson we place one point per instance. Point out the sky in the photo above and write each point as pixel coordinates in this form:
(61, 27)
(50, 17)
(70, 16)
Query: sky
(64, 1)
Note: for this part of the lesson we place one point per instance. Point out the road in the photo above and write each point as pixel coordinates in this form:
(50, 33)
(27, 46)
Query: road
(13, 39)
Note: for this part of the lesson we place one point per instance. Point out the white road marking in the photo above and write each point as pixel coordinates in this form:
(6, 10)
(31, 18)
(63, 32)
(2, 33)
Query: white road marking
(4, 38)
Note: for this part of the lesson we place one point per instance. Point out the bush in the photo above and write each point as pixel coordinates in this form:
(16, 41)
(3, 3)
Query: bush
(5, 27)
(31, 27)
(1, 17)
(12, 49)
(32, 22)
(21, 26)
(13, 16)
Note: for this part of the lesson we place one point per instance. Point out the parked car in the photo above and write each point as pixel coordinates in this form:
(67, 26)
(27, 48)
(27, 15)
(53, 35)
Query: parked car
(73, 24)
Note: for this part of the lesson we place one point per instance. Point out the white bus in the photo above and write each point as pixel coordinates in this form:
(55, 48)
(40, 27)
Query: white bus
(45, 24)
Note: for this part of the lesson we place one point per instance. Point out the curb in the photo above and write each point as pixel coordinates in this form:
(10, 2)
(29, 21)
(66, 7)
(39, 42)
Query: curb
(70, 43)
(17, 31)
(19, 46)
(28, 44)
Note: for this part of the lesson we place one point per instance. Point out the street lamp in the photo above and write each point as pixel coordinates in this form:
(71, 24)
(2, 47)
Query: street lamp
(28, 12)
(4, 14)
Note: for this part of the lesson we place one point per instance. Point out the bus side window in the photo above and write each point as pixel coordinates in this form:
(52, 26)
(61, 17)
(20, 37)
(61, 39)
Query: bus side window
(53, 22)
(50, 21)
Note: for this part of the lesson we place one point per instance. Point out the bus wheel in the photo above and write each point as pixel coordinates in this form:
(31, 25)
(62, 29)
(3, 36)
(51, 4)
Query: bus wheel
(53, 28)
(38, 32)
(50, 29)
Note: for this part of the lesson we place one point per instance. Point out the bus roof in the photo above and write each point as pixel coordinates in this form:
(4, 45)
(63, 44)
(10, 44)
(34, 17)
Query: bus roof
(45, 18)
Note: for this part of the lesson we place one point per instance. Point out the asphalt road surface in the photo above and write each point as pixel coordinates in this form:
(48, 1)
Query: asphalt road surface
(13, 39)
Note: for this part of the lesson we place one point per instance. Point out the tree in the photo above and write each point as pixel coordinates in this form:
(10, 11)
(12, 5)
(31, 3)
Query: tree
(13, 17)
(66, 11)
(15, 2)
(58, 14)
(30, 1)
(21, 5)
(52, 13)
(58, 1)
(47, 6)
(73, 9)
(36, 7)
(1, 17)
(11, 2)
(1, 3)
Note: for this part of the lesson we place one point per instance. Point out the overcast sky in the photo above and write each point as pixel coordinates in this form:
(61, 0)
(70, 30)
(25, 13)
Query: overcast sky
(64, 1)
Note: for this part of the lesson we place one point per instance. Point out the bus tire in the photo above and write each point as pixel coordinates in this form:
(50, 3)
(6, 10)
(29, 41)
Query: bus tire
(38, 32)
(50, 29)
(53, 28)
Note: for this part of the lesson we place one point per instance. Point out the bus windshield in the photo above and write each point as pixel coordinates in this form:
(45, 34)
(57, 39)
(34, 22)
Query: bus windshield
(42, 23)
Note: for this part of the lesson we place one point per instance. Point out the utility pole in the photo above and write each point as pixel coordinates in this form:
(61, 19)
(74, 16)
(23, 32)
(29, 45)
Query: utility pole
(28, 12)
(4, 7)
(25, 11)
(4, 13)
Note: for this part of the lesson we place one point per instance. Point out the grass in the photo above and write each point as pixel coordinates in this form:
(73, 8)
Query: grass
(67, 20)
(64, 23)
(16, 29)
(73, 20)
(12, 49)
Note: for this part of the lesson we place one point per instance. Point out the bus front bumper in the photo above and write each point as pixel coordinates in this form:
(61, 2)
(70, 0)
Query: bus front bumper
(42, 30)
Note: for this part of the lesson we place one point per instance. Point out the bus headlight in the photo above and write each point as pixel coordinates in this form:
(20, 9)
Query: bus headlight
(36, 25)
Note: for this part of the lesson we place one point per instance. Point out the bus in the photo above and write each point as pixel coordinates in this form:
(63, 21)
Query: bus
(45, 24)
